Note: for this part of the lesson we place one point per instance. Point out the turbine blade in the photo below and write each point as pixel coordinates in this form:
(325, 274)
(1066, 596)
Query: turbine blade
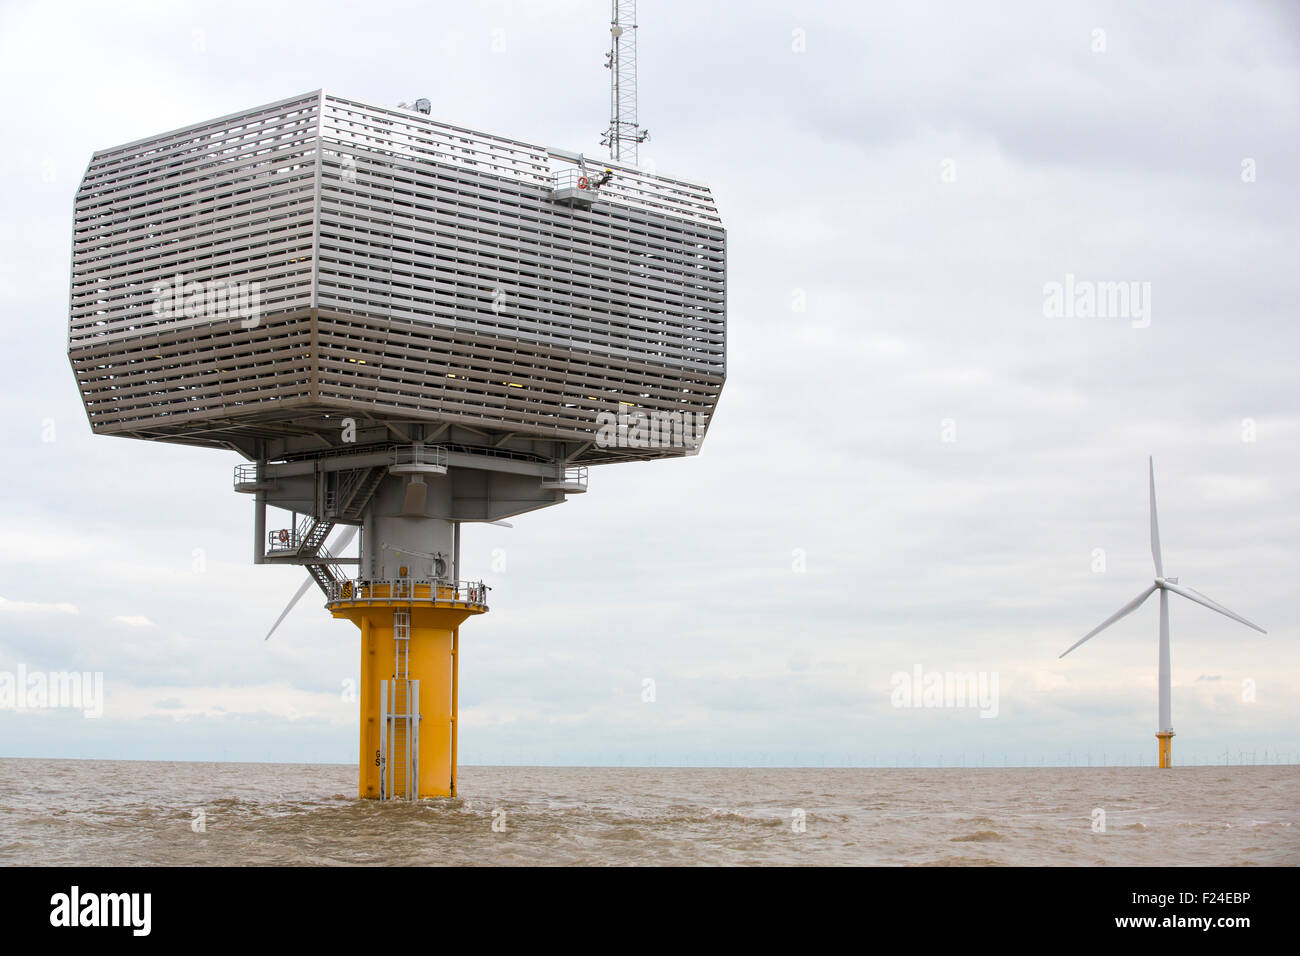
(1127, 609)
(290, 606)
(1155, 525)
(349, 532)
(1194, 595)
(345, 539)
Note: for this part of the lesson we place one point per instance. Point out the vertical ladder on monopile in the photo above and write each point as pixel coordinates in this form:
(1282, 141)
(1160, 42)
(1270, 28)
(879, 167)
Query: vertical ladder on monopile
(400, 728)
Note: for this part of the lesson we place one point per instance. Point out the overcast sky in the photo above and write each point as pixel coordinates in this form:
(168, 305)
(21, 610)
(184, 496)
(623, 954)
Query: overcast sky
(913, 463)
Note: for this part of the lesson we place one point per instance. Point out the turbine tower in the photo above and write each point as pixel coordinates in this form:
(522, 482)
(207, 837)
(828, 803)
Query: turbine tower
(403, 327)
(624, 135)
(1165, 732)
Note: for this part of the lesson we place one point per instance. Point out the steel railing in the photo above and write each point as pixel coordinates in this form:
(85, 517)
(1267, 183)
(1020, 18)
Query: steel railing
(246, 473)
(576, 179)
(434, 455)
(362, 590)
(387, 448)
(285, 539)
(572, 475)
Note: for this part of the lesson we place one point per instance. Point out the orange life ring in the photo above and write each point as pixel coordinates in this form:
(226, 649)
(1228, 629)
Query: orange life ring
(284, 537)
(583, 182)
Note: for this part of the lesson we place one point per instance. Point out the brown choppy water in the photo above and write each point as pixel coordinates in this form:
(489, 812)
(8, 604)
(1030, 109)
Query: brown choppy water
(86, 812)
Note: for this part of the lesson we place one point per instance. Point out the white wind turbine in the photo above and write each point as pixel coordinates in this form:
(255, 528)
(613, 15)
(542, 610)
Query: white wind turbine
(1164, 585)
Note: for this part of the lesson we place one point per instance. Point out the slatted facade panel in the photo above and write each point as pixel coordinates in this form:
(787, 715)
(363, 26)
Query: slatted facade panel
(186, 249)
(470, 293)
(170, 381)
(403, 268)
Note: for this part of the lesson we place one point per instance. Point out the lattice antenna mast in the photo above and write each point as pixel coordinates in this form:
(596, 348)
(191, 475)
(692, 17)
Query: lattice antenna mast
(624, 134)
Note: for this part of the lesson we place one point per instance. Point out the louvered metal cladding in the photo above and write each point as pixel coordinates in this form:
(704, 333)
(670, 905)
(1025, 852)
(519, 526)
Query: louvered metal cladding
(406, 270)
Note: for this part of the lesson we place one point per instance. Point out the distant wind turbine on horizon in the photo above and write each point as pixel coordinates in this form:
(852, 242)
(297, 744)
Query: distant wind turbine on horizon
(1164, 585)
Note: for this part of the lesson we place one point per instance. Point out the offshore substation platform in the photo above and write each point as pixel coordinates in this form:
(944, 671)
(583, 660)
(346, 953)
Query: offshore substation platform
(403, 327)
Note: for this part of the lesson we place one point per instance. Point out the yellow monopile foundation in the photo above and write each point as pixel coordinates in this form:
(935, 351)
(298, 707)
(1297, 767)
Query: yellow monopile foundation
(408, 692)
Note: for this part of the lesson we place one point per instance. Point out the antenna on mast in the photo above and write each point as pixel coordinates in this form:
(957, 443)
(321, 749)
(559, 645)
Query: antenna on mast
(624, 134)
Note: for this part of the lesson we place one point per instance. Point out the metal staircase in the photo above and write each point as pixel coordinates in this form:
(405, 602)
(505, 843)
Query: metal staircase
(325, 573)
(347, 501)
(399, 733)
(355, 491)
(310, 539)
(313, 537)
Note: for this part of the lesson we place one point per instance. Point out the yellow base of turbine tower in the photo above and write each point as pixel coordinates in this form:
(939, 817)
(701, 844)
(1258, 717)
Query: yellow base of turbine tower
(1166, 748)
(410, 639)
